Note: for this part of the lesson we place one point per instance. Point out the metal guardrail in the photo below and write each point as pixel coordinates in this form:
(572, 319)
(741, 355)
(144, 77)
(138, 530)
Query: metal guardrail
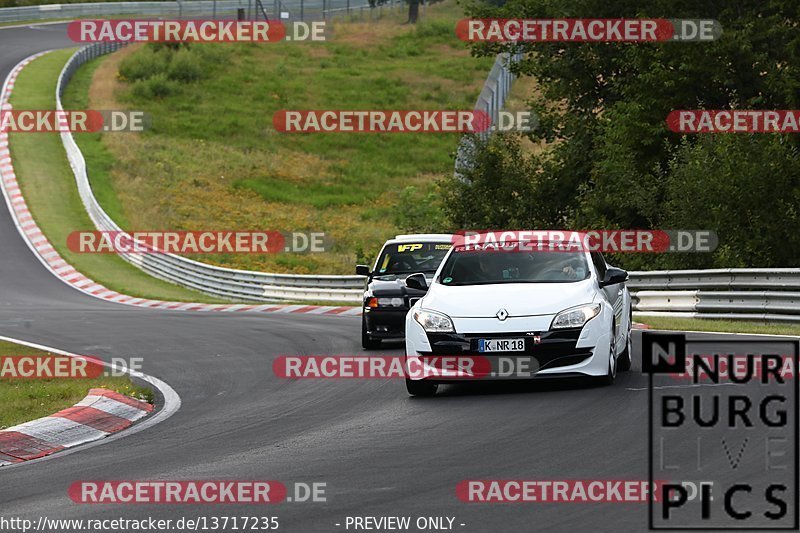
(277, 9)
(491, 101)
(718, 279)
(747, 293)
(217, 281)
(495, 89)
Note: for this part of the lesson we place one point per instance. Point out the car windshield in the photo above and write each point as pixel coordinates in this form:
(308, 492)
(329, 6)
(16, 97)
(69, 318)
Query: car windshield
(479, 267)
(412, 257)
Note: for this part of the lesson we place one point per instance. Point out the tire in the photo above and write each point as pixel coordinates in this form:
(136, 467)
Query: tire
(421, 387)
(625, 360)
(367, 342)
(611, 374)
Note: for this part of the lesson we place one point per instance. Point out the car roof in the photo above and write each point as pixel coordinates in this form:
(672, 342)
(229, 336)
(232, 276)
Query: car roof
(425, 237)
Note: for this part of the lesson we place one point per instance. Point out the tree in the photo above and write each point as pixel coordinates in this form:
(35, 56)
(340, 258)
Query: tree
(602, 106)
(413, 11)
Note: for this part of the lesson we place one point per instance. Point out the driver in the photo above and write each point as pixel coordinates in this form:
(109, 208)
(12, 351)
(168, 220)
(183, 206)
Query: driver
(485, 271)
(399, 263)
(573, 269)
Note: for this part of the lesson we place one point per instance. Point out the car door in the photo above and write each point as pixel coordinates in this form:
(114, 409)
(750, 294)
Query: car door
(614, 294)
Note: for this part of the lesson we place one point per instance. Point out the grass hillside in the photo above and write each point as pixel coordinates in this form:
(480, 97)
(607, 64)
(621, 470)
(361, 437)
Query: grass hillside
(213, 159)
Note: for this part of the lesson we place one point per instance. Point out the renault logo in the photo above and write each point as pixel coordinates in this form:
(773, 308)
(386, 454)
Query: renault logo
(502, 315)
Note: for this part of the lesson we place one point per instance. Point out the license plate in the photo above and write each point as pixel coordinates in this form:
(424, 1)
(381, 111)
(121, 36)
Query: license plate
(501, 345)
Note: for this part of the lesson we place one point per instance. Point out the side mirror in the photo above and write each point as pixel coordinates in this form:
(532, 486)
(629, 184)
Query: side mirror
(417, 281)
(362, 270)
(614, 276)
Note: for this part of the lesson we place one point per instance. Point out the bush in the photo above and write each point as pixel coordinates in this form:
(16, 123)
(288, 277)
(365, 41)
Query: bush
(144, 64)
(748, 194)
(418, 212)
(155, 87)
(178, 62)
(503, 188)
(185, 67)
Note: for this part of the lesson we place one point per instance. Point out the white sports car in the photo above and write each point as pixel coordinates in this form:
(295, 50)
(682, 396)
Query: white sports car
(538, 313)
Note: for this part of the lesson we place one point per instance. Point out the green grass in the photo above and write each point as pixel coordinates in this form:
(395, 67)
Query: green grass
(49, 188)
(213, 159)
(727, 326)
(25, 400)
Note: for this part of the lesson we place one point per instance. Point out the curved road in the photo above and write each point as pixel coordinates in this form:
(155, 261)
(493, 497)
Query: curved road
(379, 451)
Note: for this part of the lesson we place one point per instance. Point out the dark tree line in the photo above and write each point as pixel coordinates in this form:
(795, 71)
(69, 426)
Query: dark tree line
(612, 161)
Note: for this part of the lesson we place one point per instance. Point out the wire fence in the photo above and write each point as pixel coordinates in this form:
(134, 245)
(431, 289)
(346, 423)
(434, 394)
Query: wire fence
(491, 101)
(303, 10)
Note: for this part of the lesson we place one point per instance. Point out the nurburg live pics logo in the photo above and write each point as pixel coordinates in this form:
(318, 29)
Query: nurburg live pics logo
(733, 434)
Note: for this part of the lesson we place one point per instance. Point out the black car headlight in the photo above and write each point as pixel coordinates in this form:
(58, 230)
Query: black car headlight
(395, 302)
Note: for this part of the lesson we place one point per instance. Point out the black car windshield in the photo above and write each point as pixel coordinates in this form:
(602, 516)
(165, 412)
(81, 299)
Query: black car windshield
(411, 257)
(478, 267)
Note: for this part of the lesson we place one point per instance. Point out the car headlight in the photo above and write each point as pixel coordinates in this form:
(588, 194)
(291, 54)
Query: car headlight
(385, 302)
(433, 322)
(575, 317)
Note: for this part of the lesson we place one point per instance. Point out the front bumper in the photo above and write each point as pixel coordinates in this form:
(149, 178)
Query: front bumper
(543, 350)
(385, 323)
(547, 353)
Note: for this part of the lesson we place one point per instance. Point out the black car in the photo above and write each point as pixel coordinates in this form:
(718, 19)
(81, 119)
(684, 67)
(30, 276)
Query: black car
(387, 299)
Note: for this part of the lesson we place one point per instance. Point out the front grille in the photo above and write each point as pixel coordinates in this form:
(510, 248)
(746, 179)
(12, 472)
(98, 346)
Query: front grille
(555, 348)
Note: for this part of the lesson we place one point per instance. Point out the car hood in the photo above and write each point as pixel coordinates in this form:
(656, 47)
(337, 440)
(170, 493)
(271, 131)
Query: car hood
(394, 285)
(519, 299)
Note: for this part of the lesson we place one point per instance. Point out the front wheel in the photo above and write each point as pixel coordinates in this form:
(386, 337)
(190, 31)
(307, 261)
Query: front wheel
(608, 379)
(421, 387)
(626, 357)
